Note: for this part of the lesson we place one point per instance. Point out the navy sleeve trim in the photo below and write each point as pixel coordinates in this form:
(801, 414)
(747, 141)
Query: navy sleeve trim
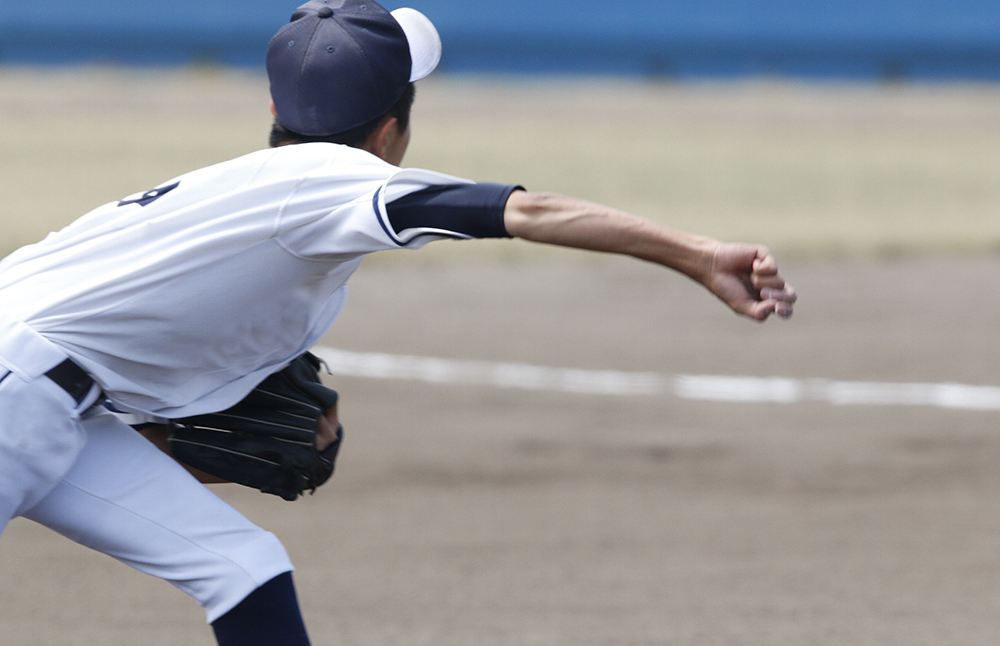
(378, 214)
(462, 210)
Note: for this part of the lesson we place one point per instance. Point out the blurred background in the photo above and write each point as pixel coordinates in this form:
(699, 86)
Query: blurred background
(859, 139)
(820, 127)
(873, 39)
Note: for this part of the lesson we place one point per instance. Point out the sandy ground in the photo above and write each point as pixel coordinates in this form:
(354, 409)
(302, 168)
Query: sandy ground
(469, 515)
(465, 515)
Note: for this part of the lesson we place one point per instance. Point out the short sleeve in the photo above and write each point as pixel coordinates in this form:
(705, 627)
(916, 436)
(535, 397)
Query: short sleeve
(453, 210)
(356, 204)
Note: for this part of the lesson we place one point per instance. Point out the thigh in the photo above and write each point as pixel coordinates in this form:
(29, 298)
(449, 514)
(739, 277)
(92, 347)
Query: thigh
(126, 498)
(40, 438)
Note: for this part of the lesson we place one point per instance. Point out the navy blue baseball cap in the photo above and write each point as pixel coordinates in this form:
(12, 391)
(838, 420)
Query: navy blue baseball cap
(342, 63)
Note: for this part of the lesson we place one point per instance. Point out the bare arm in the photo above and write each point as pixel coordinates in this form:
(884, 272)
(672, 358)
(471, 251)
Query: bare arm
(743, 276)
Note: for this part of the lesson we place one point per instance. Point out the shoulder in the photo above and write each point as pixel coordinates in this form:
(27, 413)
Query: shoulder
(322, 154)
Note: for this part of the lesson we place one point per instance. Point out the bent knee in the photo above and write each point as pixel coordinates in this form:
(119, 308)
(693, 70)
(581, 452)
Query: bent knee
(225, 579)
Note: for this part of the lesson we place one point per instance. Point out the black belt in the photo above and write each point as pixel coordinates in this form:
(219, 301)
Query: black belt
(71, 378)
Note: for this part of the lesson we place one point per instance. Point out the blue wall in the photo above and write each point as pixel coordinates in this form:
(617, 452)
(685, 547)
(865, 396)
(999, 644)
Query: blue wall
(920, 39)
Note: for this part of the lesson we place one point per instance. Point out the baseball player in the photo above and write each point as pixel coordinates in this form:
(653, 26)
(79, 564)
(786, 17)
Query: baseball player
(178, 301)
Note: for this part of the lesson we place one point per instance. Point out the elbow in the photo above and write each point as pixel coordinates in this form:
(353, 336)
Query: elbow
(524, 211)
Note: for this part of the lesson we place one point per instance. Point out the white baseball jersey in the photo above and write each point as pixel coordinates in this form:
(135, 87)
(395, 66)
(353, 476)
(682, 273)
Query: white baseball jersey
(180, 300)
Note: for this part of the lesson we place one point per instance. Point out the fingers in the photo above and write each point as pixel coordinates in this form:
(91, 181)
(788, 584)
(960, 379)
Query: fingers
(762, 310)
(783, 309)
(765, 263)
(764, 272)
(328, 431)
(777, 301)
(776, 297)
(786, 294)
(747, 279)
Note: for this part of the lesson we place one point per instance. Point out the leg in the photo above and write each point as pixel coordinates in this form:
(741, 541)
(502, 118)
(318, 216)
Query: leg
(269, 615)
(40, 438)
(125, 498)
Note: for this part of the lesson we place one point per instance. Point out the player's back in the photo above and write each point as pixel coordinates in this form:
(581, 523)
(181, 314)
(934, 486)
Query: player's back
(210, 277)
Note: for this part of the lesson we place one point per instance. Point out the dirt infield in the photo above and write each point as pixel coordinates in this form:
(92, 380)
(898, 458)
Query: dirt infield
(469, 515)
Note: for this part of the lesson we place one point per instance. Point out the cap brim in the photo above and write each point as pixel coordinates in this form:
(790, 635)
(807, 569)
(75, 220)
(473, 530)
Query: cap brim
(424, 41)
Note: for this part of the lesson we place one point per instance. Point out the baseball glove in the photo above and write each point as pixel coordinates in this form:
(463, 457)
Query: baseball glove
(268, 440)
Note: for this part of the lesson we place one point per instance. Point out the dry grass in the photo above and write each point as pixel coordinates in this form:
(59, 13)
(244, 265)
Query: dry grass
(807, 169)
(465, 515)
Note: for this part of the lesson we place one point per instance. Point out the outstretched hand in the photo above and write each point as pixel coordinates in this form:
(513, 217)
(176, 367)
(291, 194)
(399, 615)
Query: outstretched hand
(746, 278)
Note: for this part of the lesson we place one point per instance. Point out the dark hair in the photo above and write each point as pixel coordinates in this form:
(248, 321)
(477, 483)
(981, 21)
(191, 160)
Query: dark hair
(355, 137)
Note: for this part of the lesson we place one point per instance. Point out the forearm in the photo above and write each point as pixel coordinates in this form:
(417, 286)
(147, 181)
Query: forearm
(569, 222)
(744, 276)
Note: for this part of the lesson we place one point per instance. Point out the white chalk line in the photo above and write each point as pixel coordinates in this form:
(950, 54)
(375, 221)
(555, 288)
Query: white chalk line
(770, 390)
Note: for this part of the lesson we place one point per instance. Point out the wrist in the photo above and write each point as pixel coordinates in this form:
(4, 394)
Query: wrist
(696, 257)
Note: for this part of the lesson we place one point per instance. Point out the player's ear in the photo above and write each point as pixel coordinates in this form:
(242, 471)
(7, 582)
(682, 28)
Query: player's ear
(274, 110)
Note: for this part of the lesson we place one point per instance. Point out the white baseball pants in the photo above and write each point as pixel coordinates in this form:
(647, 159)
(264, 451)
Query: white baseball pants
(84, 473)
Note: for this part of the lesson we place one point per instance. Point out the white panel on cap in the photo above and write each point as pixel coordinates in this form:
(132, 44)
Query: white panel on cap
(425, 43)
